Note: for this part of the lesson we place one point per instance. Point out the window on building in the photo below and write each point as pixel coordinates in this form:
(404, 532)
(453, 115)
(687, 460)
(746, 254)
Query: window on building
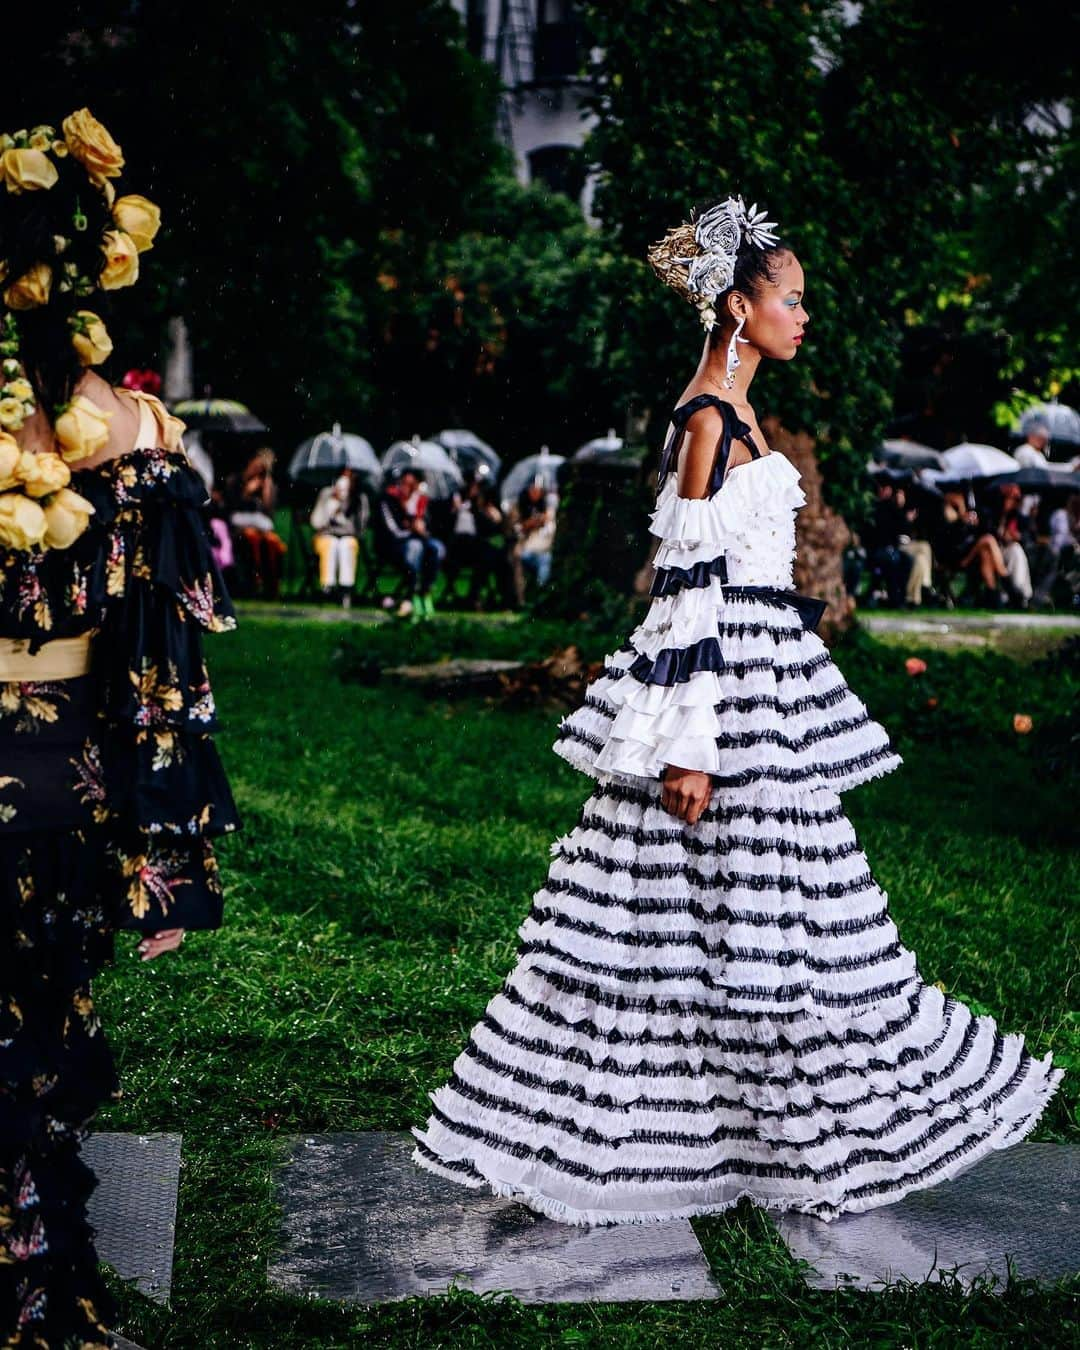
(558, 49)
(559, 167)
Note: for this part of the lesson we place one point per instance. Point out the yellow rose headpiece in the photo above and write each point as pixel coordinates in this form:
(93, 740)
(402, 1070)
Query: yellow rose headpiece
(39, 508)
(28, 163)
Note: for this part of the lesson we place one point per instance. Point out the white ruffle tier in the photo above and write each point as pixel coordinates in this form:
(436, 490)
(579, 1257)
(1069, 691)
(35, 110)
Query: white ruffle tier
(750, 520)
(701, 1013)
(777, 711)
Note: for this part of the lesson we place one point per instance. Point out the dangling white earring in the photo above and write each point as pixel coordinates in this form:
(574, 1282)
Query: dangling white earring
(733, 363)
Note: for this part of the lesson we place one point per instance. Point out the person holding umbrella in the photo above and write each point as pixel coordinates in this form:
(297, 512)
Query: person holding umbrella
(533, 518)
(402, 527)
(336, 520)
(250, 497)
(1032, 454)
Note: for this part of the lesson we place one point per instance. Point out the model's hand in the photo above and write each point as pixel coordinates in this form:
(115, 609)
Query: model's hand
(686, 792)
(154, 944)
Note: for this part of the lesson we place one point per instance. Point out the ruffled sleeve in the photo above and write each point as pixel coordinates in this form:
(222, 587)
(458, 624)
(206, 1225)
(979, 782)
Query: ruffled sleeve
(167, 791)
(655, 704)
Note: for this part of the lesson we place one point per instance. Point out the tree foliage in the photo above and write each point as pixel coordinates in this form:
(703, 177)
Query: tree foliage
(280, 145)
(891, 150)
(345, 235)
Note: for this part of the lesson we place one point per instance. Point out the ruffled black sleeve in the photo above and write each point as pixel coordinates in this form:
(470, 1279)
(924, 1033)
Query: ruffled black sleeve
(168, 796)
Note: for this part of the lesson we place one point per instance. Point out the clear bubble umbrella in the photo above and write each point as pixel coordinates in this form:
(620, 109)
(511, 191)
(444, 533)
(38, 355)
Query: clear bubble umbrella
(545, 466)
(600, 446)
(430, 461)
(321, 458)
(1061, 421)
(468, 452)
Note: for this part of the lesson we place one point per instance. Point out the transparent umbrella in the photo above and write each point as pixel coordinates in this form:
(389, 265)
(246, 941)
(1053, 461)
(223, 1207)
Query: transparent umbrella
(430, 461)
(600, 446)
(545, 465)
(468, 451)
(1061, 421)
(322, 457)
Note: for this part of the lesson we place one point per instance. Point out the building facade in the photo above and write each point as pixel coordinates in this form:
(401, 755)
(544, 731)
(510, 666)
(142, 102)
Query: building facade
(539, 49)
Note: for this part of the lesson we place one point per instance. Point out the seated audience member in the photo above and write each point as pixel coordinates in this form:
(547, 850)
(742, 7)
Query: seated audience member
(533, 517)
(1032, 454)
(337, 520)
(1062, 547)
(250, 497)
(882, 538)
(1015, 533)
(221, 544)
(403, 534)
(478, 542)
(919, 550)
(964, 543)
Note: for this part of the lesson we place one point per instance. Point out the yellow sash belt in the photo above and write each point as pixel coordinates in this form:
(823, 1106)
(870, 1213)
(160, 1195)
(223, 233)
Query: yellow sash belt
(60, 659)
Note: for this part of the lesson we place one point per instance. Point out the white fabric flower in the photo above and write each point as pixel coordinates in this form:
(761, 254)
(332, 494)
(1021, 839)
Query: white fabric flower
(710, 273)
(755, 227)
(717, 231)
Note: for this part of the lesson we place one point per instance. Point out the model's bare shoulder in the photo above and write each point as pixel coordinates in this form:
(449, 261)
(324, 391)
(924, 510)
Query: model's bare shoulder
(704, 430)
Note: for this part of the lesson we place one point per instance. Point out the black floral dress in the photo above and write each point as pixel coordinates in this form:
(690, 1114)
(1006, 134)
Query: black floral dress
(111, 792)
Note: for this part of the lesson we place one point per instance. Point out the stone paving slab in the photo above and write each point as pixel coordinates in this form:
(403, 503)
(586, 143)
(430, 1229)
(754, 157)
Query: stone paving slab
(134, 1206)
(927, 621)
(363, 1223)
(1022, 1202)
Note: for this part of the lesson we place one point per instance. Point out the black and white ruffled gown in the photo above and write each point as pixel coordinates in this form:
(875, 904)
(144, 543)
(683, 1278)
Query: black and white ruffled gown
(704, 1012)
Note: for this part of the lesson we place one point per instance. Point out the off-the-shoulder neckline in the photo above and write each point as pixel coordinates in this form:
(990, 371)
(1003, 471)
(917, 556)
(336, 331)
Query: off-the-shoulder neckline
(743, 464)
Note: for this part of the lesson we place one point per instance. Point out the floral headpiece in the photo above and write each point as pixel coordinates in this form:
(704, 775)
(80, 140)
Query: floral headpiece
(37, 509)
(697, 259)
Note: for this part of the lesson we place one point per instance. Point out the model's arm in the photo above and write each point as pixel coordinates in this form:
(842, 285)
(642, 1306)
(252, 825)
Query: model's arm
(686, 792)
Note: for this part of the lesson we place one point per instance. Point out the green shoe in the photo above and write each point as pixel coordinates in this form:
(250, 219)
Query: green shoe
(425, 607)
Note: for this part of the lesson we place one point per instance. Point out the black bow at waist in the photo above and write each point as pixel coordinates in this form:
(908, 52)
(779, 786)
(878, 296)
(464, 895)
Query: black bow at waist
(810, 609)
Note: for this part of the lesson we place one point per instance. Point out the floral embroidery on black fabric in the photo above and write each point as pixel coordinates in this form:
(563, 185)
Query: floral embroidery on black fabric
(129, 844)
(31, 704)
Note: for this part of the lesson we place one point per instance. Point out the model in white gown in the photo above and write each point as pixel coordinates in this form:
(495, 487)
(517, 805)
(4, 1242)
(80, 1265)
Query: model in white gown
(701, 1012)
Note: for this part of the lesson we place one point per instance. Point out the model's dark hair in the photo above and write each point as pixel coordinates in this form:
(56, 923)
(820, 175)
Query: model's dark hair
(30, 223)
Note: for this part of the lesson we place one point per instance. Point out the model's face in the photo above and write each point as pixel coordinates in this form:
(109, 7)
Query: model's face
(775, 319)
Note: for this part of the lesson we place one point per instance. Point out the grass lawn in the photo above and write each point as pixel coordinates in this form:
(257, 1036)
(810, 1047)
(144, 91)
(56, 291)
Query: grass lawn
(390, 850)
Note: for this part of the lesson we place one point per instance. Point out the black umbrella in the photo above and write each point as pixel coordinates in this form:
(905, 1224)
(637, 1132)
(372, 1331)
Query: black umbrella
(1039, 480)
(217, 414)
(902, 453)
